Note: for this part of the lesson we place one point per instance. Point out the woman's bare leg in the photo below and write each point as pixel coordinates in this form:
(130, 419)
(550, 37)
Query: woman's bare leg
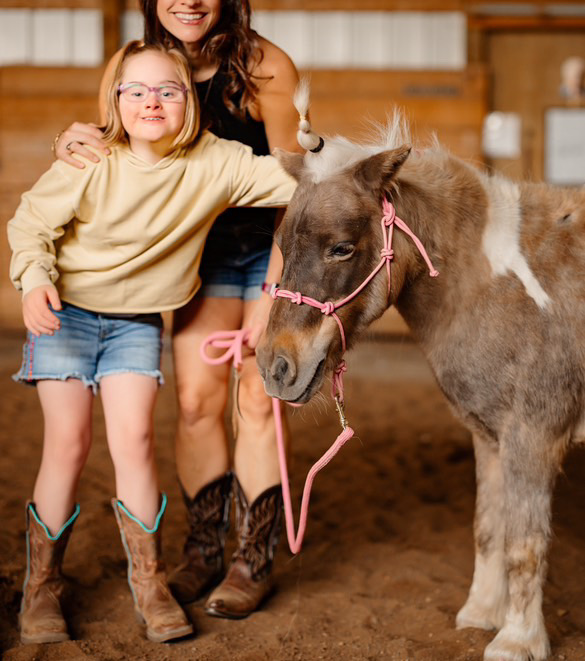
(256, 453)
(201, 444)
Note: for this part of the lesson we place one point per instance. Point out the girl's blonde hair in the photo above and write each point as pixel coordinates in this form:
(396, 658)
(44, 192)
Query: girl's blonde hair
(114, 131)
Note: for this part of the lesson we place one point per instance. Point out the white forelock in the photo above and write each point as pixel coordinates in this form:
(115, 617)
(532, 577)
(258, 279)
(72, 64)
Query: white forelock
(340, 153)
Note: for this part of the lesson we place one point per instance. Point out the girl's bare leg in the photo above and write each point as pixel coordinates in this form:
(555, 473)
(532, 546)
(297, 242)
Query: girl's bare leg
(128, 401)
(67, 407)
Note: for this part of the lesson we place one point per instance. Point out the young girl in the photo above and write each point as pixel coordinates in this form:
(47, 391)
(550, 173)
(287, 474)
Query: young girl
(245, 86)
(98, 253)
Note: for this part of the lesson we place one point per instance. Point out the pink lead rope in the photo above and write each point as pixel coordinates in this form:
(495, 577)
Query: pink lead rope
(233, 341)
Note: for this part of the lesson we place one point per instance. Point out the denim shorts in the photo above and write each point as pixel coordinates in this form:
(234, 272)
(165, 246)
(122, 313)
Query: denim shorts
(89, 346)
(235, 257)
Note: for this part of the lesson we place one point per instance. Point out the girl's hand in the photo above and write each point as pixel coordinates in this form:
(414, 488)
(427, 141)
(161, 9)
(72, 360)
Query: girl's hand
(72, 141)
(36, 313)
(259, 320)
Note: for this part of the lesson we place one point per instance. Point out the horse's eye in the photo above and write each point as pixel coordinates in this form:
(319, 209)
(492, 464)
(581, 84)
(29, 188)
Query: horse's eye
(342, 250)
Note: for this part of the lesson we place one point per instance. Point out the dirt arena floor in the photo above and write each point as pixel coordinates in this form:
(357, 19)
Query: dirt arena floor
(388, 554)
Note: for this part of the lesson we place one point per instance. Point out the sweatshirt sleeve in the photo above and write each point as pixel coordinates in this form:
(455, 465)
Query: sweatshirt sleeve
(258, 181)
(39, 221)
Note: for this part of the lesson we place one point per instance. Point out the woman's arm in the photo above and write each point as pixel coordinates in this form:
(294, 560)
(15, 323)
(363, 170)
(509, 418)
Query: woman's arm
(275, 108)
(273, 105)
(71, 142)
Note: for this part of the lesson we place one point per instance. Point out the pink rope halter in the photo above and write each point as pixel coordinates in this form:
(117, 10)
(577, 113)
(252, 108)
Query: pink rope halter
(389, 220)
(233, 341)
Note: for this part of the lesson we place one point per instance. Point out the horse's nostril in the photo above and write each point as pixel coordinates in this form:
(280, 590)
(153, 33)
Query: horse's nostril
(283, 371)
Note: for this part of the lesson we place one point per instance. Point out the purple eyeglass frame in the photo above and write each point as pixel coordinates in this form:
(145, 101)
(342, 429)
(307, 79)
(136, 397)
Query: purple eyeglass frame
(156, 89)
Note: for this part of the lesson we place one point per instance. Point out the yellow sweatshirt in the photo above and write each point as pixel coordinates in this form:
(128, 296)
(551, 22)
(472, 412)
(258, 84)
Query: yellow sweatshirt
(125, 236)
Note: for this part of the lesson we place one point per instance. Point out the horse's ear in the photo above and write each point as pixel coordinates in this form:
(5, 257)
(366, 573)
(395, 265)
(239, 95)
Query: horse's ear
(376, 171)
(292, 162)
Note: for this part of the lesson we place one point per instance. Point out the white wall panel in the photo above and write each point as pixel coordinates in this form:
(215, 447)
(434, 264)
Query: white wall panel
(293, 32)
(132, 26)
(263, 23)
(371, 41)
(408, 40)
(331, 39)
(51, 37)
(319, 40)
(87, 38)
(450, 41)
(15, 36)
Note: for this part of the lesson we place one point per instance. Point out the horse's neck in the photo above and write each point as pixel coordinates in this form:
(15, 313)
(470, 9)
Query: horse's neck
(445, 205)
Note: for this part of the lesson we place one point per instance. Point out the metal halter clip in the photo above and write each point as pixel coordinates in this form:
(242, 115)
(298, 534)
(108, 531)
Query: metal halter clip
(341, 413)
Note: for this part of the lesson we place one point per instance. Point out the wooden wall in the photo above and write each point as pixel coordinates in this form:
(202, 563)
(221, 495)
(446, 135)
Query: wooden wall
(35, 103)
(44, 101)
(529, 87)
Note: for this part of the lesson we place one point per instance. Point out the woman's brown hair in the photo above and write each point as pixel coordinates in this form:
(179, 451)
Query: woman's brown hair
(114, 130)
(231, 42)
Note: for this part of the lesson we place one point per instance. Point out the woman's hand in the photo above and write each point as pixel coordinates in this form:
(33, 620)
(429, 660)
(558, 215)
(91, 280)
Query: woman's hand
(72, 141)
(36, 313)
(259, 319)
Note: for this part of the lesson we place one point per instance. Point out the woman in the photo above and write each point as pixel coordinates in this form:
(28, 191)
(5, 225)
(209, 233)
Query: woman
(245, 85)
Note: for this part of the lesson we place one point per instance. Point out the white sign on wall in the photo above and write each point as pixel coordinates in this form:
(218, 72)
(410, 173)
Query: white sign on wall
(564, 146)
(502, 135)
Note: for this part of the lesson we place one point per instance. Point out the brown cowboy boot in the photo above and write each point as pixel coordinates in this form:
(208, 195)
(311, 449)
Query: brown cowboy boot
(202, 567)
(153, 602)
(40, 618)
(248, 580)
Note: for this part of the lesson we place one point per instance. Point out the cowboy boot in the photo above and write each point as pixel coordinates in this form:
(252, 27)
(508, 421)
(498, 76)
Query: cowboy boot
(248, 580)
(153, 602)
(40, 618)
(202, 566)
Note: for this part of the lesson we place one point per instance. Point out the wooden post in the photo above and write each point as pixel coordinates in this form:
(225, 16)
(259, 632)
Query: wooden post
(112, 10)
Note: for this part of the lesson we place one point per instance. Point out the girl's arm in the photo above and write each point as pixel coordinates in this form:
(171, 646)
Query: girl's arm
(39, 221)
(72, 140)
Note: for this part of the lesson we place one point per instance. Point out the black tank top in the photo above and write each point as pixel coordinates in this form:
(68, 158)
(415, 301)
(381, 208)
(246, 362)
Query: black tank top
(220, 121)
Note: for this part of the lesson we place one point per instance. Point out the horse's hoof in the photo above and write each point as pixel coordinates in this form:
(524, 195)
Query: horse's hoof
(506, 647)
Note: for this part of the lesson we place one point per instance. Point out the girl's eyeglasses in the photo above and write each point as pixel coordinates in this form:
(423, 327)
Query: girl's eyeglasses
(137, 92)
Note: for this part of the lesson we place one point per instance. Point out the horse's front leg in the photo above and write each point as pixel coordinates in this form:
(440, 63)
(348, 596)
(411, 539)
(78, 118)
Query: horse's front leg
(530, 463)
(485, 607)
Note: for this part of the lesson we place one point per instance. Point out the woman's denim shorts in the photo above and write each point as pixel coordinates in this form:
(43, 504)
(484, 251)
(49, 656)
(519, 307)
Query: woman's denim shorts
(89, 346)
(235, 258)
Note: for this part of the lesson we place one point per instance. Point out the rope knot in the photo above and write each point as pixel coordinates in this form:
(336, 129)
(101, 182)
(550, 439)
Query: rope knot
(387, 253)
(297, 297)
(328, 308)
(342, 367)
(388, 212)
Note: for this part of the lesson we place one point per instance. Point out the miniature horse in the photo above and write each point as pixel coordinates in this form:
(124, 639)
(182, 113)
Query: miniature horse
(502, 326)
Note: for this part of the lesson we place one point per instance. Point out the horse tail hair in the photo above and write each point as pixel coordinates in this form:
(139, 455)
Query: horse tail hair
(306, 137)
